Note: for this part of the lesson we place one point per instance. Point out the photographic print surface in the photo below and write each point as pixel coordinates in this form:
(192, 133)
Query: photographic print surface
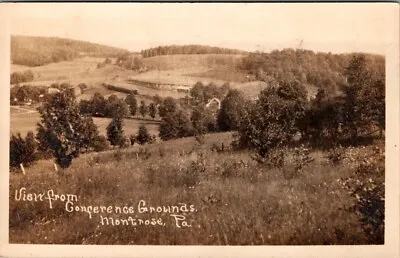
(197, 124)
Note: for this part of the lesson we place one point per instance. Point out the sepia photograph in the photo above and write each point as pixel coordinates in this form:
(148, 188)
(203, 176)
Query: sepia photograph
(177, 124)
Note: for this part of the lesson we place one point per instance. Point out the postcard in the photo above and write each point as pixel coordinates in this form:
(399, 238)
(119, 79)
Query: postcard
(200, 129)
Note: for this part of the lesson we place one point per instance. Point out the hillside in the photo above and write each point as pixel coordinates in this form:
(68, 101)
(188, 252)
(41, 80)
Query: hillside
(236, 200)
(321, 70)
(37, 51)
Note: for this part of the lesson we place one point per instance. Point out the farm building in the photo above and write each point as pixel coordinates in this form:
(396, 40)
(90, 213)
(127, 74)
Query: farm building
(51, 90)
(182, 88)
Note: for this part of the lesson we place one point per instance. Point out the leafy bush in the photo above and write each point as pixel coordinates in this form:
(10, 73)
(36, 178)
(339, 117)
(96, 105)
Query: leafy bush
(23, 150)
(301, 158)
(368, 189)
(100, 143)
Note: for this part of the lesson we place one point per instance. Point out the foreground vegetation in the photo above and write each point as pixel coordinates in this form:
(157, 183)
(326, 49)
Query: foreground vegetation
(237, 200)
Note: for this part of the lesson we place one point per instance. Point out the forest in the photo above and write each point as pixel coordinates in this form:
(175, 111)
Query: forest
(188, 50)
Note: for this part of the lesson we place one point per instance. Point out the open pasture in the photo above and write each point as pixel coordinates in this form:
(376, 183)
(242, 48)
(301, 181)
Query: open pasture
(25, 122)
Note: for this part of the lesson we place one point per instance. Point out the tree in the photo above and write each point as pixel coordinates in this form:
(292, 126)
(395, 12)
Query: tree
(167, 106)
(377, 103)
(357, 108)
(116, 107)
(152, 110)
(22, 94)
(175, 125)
(85, 107)
(323, 118)
(231, 110)
(132, 103)
(90, 132)
(199, 119)
(115, 132)
(22, 151)
(63, 129)
(143, 108)
(98, 105)
(197, 92)
(143, 135)
(273, 120)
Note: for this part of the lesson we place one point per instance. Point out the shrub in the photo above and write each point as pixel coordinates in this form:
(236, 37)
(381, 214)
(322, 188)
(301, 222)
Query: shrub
(274, 159)
(144, 153)
(143, 135)
(100, 143)
(336, 155)
(368, 189)
(301, 158)
(22, 150)
(132, 139)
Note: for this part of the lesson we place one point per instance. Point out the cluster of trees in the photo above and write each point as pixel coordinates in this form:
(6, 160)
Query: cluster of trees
(188, 49)
(35, 94)
(37, 51)
(21, 94)
(190, 116)
(323, 70)
(100, 106)
(130, 61)
(19, 77)
(282, 112)
(64, 133)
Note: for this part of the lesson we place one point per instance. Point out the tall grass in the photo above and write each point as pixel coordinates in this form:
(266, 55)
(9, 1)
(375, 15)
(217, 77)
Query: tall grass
(238, 201)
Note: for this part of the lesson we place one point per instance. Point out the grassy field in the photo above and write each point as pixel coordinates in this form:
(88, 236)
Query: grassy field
(230, 198)
(25, 122)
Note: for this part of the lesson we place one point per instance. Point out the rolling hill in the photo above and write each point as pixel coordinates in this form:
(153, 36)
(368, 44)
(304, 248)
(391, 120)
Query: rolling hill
(37, 51)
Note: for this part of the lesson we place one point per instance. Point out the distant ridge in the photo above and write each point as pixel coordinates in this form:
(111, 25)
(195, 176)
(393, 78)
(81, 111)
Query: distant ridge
(189, 50)
(37, 51)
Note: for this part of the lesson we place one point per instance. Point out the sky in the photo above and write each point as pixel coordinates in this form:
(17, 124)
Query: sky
(336, 28)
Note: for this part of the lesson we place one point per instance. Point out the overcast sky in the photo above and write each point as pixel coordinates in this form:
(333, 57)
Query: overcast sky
(264, 27)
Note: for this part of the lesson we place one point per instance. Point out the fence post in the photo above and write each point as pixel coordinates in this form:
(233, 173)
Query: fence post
(22, 168)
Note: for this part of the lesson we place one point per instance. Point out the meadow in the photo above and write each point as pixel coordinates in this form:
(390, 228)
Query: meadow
(24, 122)
(235, 200)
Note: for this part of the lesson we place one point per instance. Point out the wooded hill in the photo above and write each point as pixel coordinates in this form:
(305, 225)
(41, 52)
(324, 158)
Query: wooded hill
(188, 49)
(37, 51)
(323, 70)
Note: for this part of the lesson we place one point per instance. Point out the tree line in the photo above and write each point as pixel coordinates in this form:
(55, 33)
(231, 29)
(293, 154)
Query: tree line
(187, 50)
(19, 77)
(322, 70)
